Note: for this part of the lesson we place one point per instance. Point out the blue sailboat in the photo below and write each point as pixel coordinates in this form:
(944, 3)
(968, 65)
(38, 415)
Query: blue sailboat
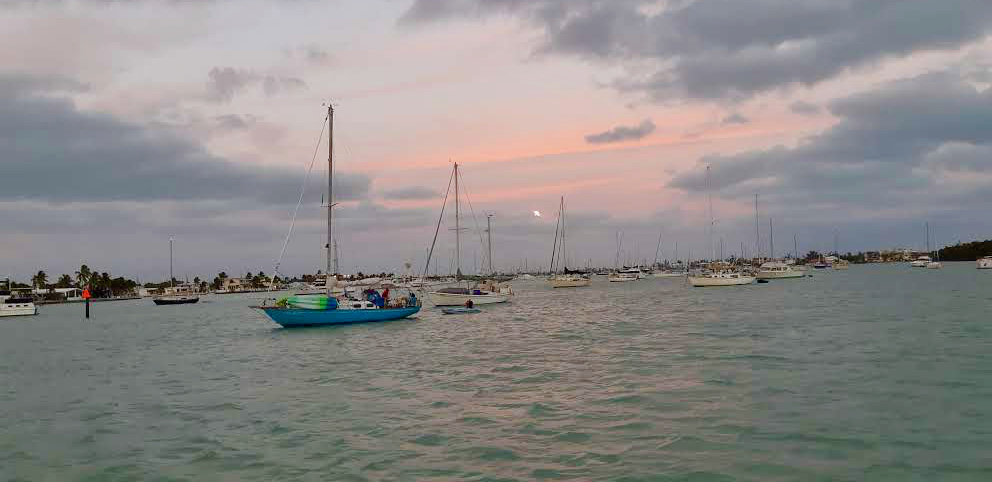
(317, 310)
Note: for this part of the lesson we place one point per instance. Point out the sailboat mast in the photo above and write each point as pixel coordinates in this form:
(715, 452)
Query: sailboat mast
(562, 259)
(489, 241)
(771, 240)
(710, 189)
(171, 278)
(928, 237)
(657, 249)
(757, 230)
(458, 232)
(330, 194)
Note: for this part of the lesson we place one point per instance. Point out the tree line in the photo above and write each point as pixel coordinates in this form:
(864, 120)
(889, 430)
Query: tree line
(966, 251)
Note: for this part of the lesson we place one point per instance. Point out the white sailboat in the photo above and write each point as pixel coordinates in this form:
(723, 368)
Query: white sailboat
(718, 274)
(935, 264)
(482, 293)
(567, 278)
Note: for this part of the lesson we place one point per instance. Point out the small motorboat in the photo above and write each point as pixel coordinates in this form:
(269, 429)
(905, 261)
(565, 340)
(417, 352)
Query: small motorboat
(762, 280)
(460, 311)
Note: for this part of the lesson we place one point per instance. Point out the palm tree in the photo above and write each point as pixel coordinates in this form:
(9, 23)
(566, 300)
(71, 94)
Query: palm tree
(83, 276)
(65, 281)
(40, 280)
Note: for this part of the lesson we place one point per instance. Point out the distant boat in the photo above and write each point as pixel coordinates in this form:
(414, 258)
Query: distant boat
(841, 264)
(778, 270)
(460, 311)
(718, 274)
(721, 278)
(567, 278)
(622, 277)
(13, 305)
(482, 293)
(175, 296)
(984, 262)
(935, 264)
(670, 274)
(920, 262)
(325, 309)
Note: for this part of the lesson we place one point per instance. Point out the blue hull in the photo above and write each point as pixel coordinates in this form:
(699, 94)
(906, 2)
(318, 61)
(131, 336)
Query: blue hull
(296, 317)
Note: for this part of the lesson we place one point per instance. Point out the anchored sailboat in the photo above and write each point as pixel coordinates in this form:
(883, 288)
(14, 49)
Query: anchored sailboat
(718, 274)
(482, 293)
(175, 296)
(326, 309)
(567, 278)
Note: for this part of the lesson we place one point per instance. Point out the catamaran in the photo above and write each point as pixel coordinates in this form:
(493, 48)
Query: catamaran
(325, 308)
(567, 278)
(482, 293)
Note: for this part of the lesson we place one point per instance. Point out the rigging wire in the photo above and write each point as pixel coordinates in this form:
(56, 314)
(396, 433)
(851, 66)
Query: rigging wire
(296, 211)
(430, 253)
(482, 242)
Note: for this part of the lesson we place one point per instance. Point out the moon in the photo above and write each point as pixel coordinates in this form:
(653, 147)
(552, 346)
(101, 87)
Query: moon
(537, 214)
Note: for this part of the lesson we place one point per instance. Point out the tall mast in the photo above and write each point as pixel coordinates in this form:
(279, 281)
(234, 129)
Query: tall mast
(458, 232)
(657, 249)
(795, 245)
(928, 237)
(710, 189)
(337, 267)
(771, 240)
(562, 258)
(489, 241)
(757, 232)
(330, 194)
(171, 278)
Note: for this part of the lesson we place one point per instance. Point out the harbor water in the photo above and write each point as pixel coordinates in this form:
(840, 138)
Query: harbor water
(880, 372)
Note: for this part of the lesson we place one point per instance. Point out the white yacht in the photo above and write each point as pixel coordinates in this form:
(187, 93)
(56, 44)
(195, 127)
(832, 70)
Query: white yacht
(984, 263)
(779, 270)
(636, 271)
(622, 277)
(12, 304)
(568, 281)
(920, 262)
(721, 278)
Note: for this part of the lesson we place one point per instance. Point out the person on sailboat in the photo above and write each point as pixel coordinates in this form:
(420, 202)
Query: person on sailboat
(469, 304)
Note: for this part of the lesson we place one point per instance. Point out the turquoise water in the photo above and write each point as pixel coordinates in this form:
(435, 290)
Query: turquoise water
(877, 373)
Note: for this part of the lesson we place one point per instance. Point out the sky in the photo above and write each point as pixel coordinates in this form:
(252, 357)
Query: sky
(126, 123)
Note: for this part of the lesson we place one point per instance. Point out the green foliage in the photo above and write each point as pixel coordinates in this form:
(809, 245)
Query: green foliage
(967, 251)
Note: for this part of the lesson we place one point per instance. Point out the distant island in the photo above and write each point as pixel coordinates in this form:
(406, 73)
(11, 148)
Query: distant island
(966, 251)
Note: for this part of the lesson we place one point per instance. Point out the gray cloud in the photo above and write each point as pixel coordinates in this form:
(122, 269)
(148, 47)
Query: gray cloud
(411, 193)
(735, 118)
(890, 150)
(804, 108)
(622, 133)
(224, 83)
(231, 122)
(53, 152)
(732, 48)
